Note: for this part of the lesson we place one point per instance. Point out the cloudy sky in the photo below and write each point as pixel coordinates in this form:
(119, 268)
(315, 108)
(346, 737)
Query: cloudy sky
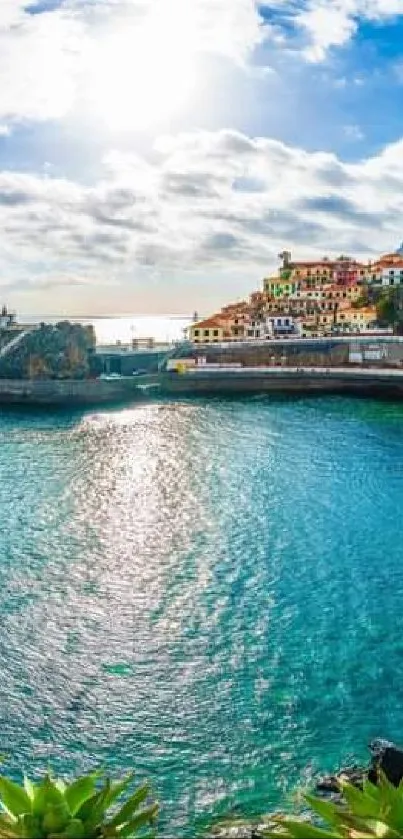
(157, 155)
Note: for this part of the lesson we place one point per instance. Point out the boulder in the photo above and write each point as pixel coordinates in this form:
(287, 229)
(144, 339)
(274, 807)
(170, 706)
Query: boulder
(329, 785)
(387, 758)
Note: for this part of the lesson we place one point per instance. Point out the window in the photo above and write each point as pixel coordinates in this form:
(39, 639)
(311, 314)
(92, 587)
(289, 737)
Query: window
(215, 331)
(197, 331)
(206, 332)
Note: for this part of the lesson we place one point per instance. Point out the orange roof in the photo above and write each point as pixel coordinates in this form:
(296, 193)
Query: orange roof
(390, 257)
(340, 288)
(235, 307)
(386, 263)
(319, 264)
(328, 263)
(365, 310)
(215, 322)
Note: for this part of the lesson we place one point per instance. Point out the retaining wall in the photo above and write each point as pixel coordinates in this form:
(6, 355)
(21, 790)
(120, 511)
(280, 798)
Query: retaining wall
(328, 352)
(254, 381)
(65, 392)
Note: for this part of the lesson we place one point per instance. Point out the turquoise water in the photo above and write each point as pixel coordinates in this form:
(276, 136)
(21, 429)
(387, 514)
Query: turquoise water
(210, 591)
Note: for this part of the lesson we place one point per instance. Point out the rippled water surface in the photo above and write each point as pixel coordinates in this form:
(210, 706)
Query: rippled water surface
(210, 591)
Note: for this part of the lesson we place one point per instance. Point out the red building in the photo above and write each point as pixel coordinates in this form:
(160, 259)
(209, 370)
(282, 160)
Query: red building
(347, 271)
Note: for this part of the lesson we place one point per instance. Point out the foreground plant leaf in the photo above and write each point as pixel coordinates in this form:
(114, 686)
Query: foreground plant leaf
(373, 812)
(14, 798)
(52, 809)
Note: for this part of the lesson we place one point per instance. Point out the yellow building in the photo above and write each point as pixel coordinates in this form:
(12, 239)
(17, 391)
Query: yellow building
(357, 320)
(313, 272)
(325, 320)
(209, 331)
(339, 293)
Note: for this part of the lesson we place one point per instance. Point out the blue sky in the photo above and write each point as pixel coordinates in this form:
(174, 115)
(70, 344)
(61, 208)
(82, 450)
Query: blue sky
(157, 155)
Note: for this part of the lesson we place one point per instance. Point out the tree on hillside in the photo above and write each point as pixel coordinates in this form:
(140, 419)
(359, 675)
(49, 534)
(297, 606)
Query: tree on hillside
(387, 310)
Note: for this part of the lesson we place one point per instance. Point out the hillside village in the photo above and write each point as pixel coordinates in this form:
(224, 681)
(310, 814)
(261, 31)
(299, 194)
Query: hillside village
(314, 299)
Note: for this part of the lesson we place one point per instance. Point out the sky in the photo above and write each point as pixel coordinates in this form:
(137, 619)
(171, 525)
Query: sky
(157, 155)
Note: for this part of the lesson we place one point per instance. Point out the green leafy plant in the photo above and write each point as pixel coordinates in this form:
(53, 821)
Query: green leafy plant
(373, 811)
(83, 809)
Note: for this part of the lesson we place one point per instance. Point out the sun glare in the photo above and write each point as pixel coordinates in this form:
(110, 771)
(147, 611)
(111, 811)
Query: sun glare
(143, 74)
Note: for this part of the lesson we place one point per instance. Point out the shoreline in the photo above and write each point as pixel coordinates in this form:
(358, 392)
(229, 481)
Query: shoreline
(364, 382)
(254, 381)
(66, 392)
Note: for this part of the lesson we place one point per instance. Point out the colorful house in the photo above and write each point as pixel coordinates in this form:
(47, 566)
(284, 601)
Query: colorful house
(280, 287)
(209, 331)
(387, 271)
(356, 320)
(347, 271)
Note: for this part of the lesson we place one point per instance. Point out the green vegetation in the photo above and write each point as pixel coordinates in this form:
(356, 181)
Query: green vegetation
(373, 811)
(363, 300)
(63, 351)
(389, 307)
(52, 809)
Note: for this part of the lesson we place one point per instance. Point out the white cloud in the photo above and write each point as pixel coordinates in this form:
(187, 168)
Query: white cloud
(38, 56)
(353, 132)
(201, 202)
(332, 23)
(47, 60)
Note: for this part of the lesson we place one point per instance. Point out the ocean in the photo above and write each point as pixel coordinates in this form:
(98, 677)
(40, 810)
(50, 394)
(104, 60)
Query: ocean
(208, 591)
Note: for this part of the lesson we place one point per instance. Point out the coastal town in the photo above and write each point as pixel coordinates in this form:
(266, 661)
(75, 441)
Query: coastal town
(314, 299)
(333, 325)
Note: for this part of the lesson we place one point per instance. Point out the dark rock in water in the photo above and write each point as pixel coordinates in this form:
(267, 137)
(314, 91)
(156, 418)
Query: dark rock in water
(330, 784)
(386, 758)
(378, 746)
(244, 829)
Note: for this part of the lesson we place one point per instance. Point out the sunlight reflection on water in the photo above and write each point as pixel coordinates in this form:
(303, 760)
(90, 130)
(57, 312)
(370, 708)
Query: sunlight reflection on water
(195, 589)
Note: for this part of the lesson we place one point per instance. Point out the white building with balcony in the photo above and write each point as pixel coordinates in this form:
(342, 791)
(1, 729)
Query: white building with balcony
(274, 326)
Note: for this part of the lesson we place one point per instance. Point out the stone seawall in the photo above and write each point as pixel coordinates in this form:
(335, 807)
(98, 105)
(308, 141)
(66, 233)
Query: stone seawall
(318, 352)
(353, 381)
(66, 392)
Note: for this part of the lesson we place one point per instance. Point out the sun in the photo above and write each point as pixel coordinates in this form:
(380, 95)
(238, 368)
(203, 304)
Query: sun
(141, 74)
